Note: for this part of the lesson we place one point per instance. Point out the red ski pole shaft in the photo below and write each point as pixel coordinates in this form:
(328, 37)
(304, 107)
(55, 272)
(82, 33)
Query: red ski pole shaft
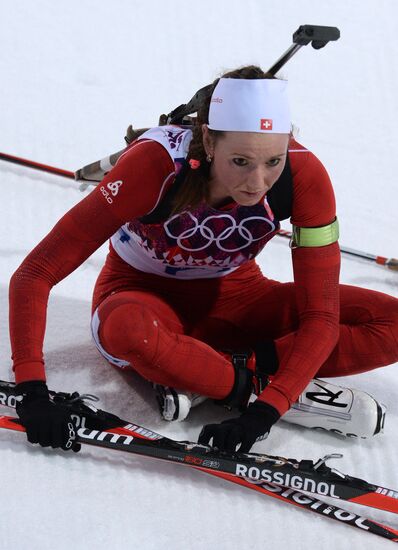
(391, 263)
(37, 166)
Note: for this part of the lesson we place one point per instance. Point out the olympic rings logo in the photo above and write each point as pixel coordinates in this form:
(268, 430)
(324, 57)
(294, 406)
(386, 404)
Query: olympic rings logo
(209, 236)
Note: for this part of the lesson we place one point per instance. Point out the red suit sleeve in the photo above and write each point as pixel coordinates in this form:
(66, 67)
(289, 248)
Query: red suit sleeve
(131, 189)
(316, 278)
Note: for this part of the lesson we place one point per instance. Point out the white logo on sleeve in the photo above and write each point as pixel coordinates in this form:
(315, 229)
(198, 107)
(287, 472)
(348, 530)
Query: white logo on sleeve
(114, 187)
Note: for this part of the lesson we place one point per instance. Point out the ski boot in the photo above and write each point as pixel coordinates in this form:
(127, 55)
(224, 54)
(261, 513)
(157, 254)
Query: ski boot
(343, 411)
(175, 404)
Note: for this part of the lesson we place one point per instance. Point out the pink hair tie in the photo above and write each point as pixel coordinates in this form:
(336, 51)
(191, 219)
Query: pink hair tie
(194, 164)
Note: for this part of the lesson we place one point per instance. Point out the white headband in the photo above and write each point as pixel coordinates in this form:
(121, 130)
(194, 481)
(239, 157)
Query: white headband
(255, 105)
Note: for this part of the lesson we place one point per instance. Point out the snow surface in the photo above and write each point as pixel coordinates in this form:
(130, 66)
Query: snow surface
(74, 75)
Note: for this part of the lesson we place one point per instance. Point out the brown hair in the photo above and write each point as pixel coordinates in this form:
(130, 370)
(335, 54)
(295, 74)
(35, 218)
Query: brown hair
(195, 187)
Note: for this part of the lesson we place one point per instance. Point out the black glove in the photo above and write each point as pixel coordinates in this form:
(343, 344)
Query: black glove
(254, 424)
(47, 423)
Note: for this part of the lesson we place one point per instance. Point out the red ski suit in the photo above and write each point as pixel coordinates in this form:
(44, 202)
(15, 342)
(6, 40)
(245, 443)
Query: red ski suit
(169, 329)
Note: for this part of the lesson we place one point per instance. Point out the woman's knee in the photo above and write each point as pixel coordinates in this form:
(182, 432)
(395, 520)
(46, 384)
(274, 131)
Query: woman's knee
(130, 329)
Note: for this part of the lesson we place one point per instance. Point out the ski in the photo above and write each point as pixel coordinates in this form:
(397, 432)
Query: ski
(277, 477)
(99, 428)
(285, 494)
(315, 505)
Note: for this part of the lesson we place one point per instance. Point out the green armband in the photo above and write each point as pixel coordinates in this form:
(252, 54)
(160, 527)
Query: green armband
(315, 236)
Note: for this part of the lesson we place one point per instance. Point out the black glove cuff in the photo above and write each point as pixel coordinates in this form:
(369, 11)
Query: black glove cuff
(267, 361)
(33, 389)
(262, 409)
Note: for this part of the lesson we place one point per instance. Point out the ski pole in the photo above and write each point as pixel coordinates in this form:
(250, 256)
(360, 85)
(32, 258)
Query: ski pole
(37, 165)
(391, 263)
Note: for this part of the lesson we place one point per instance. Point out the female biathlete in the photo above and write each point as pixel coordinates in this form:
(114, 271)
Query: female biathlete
(181, 299)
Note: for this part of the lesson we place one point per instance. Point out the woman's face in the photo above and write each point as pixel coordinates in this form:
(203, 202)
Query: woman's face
(245, 165)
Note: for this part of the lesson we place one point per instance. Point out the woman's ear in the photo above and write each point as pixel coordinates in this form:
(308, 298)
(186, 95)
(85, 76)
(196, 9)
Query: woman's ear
(208, 140)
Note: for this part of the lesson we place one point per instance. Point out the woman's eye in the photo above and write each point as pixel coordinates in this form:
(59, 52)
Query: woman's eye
(273, 162)
(239, 161)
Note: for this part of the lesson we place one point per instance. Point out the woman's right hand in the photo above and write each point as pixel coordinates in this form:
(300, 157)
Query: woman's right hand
(47, 423)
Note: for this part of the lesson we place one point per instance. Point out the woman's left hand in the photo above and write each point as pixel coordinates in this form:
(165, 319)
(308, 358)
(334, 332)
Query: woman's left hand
(253, 425)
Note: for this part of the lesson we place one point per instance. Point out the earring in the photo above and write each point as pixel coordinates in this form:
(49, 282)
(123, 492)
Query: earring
(209, 158)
